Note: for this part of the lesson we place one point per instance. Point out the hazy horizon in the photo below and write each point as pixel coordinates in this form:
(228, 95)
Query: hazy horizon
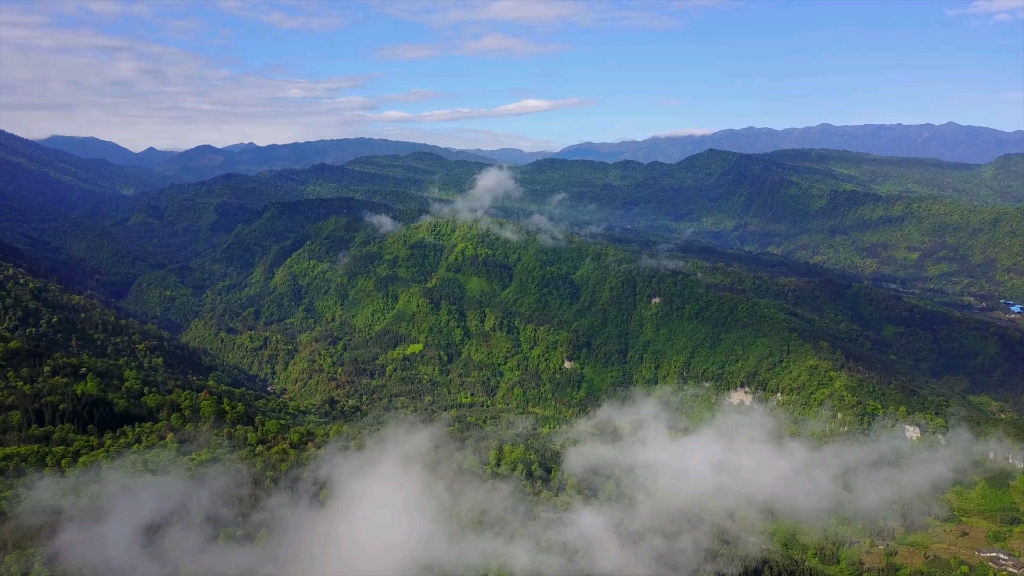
(554, 150)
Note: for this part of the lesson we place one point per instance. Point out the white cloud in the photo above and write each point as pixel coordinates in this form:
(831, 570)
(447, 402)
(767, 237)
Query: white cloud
(311, 16)
(522, 107)
(352, 103)
(495, 44)
(547, 231)
(557, 199)
(383, 223)
(543, 13)
(111, 8)
(685, 132)
(1001, 10)
(411, 51)
(531, 12)
(489, 186)
(414, 95)
(506, 45)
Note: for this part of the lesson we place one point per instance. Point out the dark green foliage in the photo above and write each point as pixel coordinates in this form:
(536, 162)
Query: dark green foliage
(863, 221)
(997, 182)
(774, 566)
(79, 383)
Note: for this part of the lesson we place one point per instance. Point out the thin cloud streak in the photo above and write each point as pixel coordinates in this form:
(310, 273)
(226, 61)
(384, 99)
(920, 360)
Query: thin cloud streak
(540, 13)
(685, 132)
(494, 45)
(307, 16)
(520, 108)
(1001, 10)
(415, 95)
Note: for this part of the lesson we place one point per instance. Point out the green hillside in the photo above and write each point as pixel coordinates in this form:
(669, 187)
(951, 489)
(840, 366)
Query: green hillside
(257, 318)
(333, 312)
(80, 383)
(995, 183)
(455, 323)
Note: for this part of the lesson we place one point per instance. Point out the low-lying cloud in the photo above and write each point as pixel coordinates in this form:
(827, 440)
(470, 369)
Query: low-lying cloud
(489, 186)
(662, 496)
(547, 231)
(383, 223)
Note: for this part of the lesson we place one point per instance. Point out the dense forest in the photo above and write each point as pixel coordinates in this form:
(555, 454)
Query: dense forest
(268, 319)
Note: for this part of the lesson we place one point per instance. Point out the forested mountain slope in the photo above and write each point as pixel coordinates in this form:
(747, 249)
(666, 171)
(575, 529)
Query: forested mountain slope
(805, 212)
(79, 382)
(998, 182)
(462, 316)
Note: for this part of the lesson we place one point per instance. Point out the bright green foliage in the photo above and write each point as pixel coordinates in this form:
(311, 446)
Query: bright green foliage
(991, 499)
(473, 321)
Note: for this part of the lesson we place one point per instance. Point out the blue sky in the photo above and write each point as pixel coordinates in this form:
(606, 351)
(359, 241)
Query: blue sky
(516, 73)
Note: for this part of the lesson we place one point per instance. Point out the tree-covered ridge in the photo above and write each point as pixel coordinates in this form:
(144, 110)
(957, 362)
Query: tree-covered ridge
(334, 313)
(996, 182)
(80, 383)
(804, 212)
(923, 221)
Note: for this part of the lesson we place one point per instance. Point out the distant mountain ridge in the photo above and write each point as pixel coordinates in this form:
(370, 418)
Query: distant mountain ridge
(512, 155)
(949, 141)
(206, 161)
(94, 148)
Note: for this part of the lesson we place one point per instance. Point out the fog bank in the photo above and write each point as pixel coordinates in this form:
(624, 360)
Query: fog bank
(644, 492)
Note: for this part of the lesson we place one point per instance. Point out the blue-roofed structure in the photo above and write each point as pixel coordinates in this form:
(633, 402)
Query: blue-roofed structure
(1017, 309)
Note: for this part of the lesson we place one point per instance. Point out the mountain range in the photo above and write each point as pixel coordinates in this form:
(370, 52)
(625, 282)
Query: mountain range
(255, 322)
(950, 141)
